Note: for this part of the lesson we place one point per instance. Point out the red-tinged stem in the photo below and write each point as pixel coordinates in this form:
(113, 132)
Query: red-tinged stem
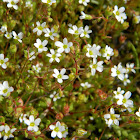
(102, 133)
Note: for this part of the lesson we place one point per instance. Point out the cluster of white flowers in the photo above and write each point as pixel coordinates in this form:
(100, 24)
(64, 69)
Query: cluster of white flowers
(83, 32)
(6, 132)
(12, 3)
(5, 89)
(112, 118)
(86, 85)
(119, 14)
(124, 99)
(59, 129)
(122, 73)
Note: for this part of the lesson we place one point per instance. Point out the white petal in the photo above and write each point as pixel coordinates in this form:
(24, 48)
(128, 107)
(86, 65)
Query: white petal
(127, 95)
(53, 134)
(59, 80)
(44, 43)
(35, 128)
(31, 118)
(52, 127)
(59, 44)
(65, 41)
(65, 77)
(59, 134)
(63, 71)
(37, 121)
(56, 71)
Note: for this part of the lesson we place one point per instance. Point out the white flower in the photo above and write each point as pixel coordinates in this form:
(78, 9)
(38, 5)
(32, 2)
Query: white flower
(96, 66)
(86, 32)
(40, 28)
(57, 130)
(129, 68)
(41, 45)
(3, 28)
(8, 132)
(120, 16)
(60, 76)
(125, 100)
(32, 124)
(18, 37)
(118, 71)
(112, 118)
(65, 46)
(3, 61)
(84, 2)
(138, 112)
(22, 117)
(119, 93)
(28, 4)
(36, 68)
(93, 51)
(53, 56)
(55, 96)
(83, 15)
(137, 19)
(5, 89)
(86, 85)
(8, 35)
(50, 33)
(12, 3)
(1, 129)
(75, 30)
(32, 56)
(126, 80)
(50, 2)
(107, 52)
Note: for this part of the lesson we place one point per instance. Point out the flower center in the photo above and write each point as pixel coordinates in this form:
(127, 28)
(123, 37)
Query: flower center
(59, 76)
(117, 13)
(76, 32)
(53, 56)
(40, 28)
(1, 62)
(48, 1)
(40, 46)
(12, 3)
(5, 90)
(85, 33)
(65, 46)
(118, 93)
(56, 129)
(94, 66)
(50, 33)
(113, 116)
(124, 100)
(118, 72)
(32, 124)
(90, 52)
(8, 35)
(8, 133)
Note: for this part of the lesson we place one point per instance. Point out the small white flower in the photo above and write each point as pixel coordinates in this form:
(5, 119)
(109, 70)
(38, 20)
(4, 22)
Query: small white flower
(18, 37)
(3, 61)
(86, 32)
(36, 68)
(137, 19)
(93, 51)
(8, 35)
(129, 68)
(60, 76)
(83, 15)
(55, 96)
(107, 52)
(1, 130)
(57, 130)
(96, 66)
(120, 16)
(12, 3)
(32, 56)
(3, 28)
(125, 100)
(118, 71)
(84, 2)
(65, 46)
(5, 89)
(119, 93)
(32, 124)
(112, 118)
(75, 30)
(28, 4)
(40, 28)
(8, 132)
(50, 2)
(22, 117)
(126, 80)
(53, 56)
(86, 85)
(138, 112)
(41, 45)
(50, 33)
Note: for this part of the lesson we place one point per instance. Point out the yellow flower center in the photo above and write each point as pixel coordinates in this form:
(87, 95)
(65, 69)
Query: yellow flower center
(40, 28)
(118, 72)
(48, 1)
(85, 32)
(8, 133)
(40, 46)
(56, 129)
(5, 90)
(12, 3)
(59, 76)
(94, 66)
(113, 116)
(53, 56)
(90, 52)
(124, 100)
(1, 62)
(65, 46)
(32, 124)
(50, 33)
(117, 13)
(76, 32)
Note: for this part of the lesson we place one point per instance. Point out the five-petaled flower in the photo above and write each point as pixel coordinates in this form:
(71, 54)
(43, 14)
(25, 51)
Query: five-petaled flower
(3, 61)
